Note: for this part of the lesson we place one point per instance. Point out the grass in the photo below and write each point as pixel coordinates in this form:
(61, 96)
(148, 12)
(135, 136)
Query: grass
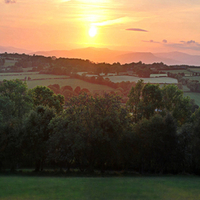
(9, 63)
(176, 71)
(71, 82)
(195, 69)
(193, 95)
(32, 75)
(51, 79)
(194, 78)
(122, 188)
(116, 79)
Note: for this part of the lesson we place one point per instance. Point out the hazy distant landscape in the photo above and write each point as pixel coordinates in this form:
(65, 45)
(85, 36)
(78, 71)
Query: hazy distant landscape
(111, 56)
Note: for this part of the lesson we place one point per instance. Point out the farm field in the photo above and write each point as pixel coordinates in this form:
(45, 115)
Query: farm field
(193, 95)
(71, 82)
(177, 71)
(114, 188)
(9, 63)
(32, 75)
(195, 69)
(194, 78)
(116, 79)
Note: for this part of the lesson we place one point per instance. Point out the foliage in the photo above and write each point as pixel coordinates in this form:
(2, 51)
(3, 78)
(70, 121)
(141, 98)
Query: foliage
(44, 96)
(36, 134)
(15, 102)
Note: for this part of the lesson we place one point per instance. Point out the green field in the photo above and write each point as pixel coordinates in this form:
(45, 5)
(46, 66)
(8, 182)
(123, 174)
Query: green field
(9, 63)
(32, 75)
(195, 69)
(116, 79)
(194, 78)
(177, 71)
(53, 79)
(193, 95)
(122, 188)
(71, 82)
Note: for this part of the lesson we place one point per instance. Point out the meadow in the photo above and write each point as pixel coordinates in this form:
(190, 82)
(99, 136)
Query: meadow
(187, 73)
(65, 80)
(99, 188)
(119, 79)
(193, 95)
(195, 69)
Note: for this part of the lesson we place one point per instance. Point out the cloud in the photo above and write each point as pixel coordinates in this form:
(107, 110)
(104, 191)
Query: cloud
(136, 29)
(10, 1)
(190, 44)
(150, 41)
(111, 22)
(164, 41)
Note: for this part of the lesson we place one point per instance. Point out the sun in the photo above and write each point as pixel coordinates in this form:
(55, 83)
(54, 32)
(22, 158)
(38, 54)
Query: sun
(92, 31)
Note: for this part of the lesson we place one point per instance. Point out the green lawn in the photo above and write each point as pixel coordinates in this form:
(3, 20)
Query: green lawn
(122, 188)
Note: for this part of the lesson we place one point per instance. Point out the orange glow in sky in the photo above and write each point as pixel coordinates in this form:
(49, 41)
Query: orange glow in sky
(139, 25)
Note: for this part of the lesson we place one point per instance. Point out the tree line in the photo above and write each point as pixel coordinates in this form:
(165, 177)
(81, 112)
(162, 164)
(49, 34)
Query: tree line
(70, 66)
(157, 131)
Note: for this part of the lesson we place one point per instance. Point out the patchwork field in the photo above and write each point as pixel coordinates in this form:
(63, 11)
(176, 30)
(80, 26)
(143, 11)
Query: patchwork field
(194, 78)
(116, 79)
(32, 75)
(64, 80)
(126, 188)
(187, 73)
(193, 95)
(9, 63)
(71, 82)
(195, 69)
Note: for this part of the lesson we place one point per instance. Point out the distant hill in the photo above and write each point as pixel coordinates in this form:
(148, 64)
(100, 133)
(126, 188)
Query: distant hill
(145, 57)
(182, 58)
(90, 53)
(9, 49)
(111, 56)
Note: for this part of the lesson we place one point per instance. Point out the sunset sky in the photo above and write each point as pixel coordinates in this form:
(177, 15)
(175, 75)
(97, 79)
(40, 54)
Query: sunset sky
(130, 25)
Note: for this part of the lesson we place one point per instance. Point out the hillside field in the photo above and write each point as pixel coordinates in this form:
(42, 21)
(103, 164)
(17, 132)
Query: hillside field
(116, 79)
(193, 95)
(110, 188)
(65, 80)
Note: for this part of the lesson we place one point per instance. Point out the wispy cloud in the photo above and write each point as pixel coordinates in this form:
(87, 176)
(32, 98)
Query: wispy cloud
(9, 1)
(136, 29)
(111, 22)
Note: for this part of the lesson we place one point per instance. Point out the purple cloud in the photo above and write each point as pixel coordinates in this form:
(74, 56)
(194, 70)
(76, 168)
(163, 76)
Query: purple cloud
(191, 44)
(136, 29)
(150, 41)
(164, 41)
(10, 1)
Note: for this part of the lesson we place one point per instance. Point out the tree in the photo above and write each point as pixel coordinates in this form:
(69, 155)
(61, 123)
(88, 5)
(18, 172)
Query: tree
(157, 143)
(90, 130)
(36, 135)
(44, 96)
(134, 102)
(151, 99)
(17, 92)
(15, 102)
(174, 102)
